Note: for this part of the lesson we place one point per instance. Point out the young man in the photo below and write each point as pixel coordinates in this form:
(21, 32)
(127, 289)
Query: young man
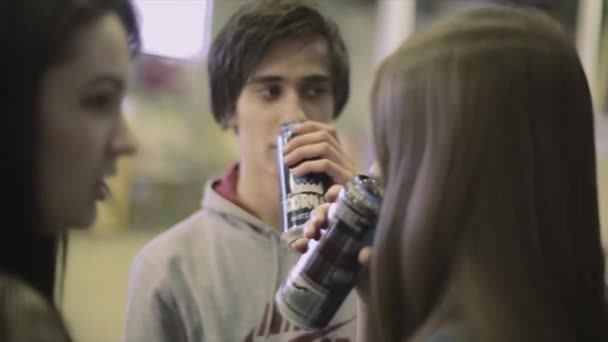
(213, 277)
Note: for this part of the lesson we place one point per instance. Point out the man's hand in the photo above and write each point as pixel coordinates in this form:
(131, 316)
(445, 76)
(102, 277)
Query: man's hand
(317, 149)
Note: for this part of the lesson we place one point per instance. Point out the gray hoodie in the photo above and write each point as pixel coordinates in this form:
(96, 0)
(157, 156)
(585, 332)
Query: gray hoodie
(213, 277)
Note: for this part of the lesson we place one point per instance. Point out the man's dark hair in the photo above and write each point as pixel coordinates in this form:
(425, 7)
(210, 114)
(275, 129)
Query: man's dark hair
(249, 34)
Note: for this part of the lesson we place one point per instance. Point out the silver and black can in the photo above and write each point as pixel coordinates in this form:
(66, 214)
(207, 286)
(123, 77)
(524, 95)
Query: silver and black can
(299, 195)
(319, 283)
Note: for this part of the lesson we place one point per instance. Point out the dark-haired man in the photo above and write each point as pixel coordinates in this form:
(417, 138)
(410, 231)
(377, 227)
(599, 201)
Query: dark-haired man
(213, 276)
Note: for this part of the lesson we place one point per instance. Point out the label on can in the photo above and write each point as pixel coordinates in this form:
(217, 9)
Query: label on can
(318, 284)
(299, 195)
(299, 299)
(303, 195)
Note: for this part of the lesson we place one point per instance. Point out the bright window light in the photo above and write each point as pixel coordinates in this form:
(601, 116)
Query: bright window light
(174, 28)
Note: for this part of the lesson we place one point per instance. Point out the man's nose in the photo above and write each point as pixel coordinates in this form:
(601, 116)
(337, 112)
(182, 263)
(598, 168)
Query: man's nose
(293, 108)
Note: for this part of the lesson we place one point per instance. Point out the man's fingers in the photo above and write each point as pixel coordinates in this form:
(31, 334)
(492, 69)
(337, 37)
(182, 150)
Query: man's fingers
(365, 256)
(332, 193)
(300, 245)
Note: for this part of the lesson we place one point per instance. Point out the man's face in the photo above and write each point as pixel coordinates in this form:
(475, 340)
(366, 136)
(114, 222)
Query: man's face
(292, 82)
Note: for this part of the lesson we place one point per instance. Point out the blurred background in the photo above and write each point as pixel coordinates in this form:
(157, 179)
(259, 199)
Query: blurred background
(181, 146)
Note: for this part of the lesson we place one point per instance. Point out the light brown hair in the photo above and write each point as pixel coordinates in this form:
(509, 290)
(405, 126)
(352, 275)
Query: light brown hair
(483, 129)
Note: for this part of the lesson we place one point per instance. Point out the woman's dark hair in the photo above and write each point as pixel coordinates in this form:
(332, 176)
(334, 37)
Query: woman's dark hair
(35, 36)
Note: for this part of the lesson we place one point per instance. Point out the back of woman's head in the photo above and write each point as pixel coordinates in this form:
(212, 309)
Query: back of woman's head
(36, 36)
(483, 129)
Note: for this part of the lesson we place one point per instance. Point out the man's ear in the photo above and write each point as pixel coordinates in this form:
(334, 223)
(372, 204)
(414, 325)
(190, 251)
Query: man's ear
(229, 122)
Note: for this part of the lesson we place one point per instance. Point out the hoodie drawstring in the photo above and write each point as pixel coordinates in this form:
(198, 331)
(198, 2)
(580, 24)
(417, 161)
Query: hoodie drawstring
(275, 276)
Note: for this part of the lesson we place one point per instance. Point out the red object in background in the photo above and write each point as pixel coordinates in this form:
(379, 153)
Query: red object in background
(158, 74)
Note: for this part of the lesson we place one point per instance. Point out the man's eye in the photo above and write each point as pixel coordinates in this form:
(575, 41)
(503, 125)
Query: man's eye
(314, 91)
(271, 92)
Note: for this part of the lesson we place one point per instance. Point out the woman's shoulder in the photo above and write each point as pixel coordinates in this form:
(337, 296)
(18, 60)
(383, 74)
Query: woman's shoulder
(27, 316)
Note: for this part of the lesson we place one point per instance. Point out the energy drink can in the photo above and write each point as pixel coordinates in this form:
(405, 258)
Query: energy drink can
(319, 283)
(299, 195)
